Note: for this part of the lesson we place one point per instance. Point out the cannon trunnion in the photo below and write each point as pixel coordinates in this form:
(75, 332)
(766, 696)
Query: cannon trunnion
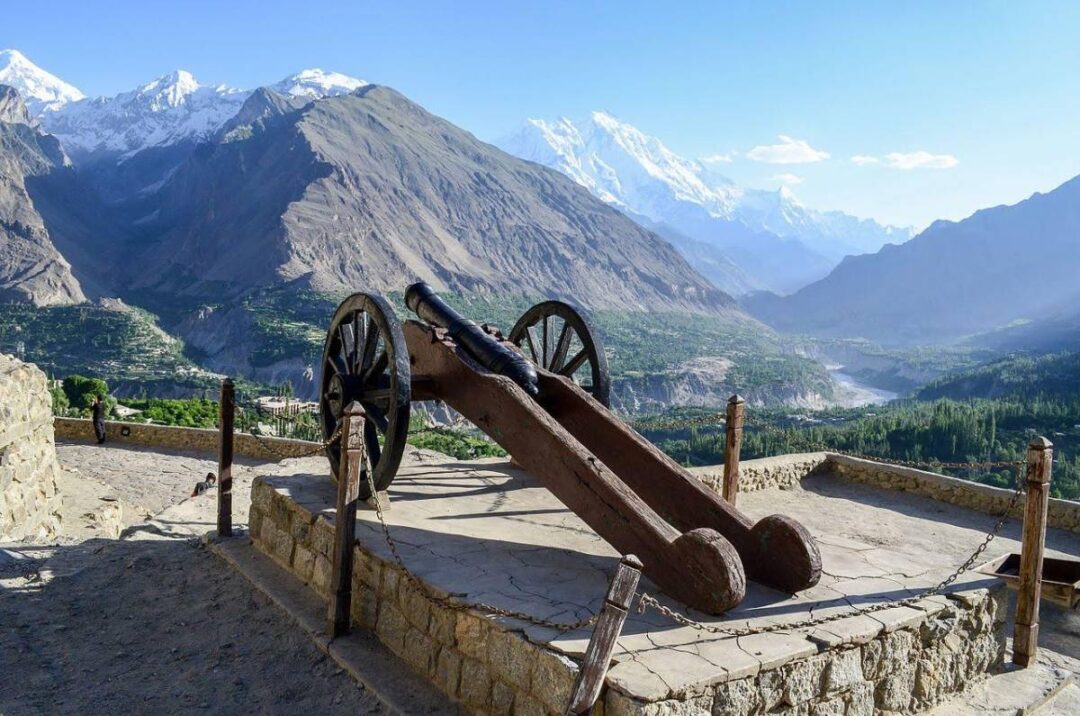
(525, 394)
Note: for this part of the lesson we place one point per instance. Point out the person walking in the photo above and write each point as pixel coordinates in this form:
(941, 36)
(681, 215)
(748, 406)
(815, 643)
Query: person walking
(97, 411)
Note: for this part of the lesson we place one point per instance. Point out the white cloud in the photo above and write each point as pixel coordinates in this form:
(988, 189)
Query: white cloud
(788, 179)
(920, 160)
(788, 151)
(909, 160)
(719, 158)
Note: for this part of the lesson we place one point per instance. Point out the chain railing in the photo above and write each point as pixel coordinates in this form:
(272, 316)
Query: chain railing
(647, 601)
(447, 601)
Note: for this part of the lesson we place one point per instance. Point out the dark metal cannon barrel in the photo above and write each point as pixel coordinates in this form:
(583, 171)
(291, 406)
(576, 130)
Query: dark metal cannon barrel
(488, 352)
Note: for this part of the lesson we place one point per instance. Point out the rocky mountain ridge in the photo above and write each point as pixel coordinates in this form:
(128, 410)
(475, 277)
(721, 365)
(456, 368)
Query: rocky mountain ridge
(32, 268)
(999, 266)
(778, 243)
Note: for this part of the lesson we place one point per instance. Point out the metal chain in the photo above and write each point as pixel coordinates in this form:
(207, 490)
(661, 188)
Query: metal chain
(446, 601)
(647, 601)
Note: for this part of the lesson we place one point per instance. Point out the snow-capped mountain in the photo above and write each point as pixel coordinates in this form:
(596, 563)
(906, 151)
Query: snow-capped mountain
(169, 109)
(165, 111)
(315, 83)
(41, 91)
(638, 173)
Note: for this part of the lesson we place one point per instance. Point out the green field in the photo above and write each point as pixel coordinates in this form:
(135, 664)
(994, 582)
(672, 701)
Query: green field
(125, 347)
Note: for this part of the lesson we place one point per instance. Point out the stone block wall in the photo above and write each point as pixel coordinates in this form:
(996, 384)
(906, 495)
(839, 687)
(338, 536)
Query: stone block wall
(781, 472)
(906, 670)
(901, 665)
(1061, 514)
(476, 661)
(29, 501)
(785, 472)
(178, 438)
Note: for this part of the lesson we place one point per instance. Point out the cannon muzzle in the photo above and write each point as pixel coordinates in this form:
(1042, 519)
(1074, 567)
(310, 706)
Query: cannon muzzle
(488, 352)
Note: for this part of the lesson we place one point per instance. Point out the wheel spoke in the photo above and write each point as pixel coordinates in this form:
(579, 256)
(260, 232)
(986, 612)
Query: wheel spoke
(357, 337)
(376, 414)
(546, 338)
(574, 363)
(371, 438)
(531, 340)
(561, 347)
(345, 351)
(371, 342)
(377, 396)
(339, 365)
(377, 367)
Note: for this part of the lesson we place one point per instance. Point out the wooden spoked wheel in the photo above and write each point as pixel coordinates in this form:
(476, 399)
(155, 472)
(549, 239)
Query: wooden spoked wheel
(556, 337)
(365, 359)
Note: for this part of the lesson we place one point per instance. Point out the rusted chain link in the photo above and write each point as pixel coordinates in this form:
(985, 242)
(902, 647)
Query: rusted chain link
(446, 601)
(647, 601)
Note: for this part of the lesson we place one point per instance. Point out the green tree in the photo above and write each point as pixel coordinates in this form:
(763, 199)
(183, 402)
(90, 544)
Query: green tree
(60, 403)
(80, 390)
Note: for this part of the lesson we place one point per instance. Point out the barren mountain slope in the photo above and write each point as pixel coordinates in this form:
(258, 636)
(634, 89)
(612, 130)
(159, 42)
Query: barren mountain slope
(31, 268)
(368, 191)
(1000, 265)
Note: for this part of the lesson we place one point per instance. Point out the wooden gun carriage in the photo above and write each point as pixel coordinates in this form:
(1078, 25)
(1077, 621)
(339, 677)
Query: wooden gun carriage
(542, 393)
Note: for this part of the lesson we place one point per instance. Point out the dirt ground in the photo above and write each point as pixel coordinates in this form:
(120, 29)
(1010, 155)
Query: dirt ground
(151, 623)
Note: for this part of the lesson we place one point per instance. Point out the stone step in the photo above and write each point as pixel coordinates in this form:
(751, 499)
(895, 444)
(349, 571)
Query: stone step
(359, 653)
(1066, 703)
(1015, 692)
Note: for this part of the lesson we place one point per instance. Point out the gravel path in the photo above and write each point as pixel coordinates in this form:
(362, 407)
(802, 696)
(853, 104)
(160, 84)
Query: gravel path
(96, 625)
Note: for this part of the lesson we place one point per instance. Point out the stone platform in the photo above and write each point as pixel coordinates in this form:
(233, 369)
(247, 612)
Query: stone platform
(485, 532)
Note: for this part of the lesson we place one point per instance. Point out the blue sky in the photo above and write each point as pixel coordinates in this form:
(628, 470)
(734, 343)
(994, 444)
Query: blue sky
(989, 91)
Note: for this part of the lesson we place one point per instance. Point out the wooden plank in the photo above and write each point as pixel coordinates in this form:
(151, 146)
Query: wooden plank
(698, 567)
(1040, 461)
(776, 551)
(732, 447)
(226, 417)
(594, 666)
(348, 493)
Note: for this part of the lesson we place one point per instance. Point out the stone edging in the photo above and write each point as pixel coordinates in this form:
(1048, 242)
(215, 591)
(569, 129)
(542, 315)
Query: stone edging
(903, 660)
(1062, 514)
(785, 472)
(179, 438)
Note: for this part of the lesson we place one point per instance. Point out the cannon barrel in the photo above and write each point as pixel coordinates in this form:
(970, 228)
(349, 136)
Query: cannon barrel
(488, 352)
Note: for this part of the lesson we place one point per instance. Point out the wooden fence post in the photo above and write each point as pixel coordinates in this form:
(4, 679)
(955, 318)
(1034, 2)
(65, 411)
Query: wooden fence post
(226, 415)
(594, 666)
(735, 408)
(1040, 460)
(353, 469)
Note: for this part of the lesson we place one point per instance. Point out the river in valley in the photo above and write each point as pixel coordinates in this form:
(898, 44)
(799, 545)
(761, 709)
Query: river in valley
(854, 394)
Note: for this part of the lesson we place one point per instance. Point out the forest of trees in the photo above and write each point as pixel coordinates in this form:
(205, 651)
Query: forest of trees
(977, 430)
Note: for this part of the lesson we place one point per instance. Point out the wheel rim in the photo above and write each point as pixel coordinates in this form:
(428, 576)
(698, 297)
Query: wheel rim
(555, 336)
(365, 359)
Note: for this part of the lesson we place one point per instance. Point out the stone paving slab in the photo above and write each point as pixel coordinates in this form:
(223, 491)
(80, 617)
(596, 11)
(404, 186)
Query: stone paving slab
(486, 532)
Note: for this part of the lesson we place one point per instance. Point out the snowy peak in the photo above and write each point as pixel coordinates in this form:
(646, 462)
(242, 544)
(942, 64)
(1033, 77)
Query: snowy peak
(624, 166)
(169, 90)
(42, 91)
(171, 109)
(316, 83)
(167, 110)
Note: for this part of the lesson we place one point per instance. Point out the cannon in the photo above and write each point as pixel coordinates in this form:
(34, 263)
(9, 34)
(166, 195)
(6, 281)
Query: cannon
(542, 394)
